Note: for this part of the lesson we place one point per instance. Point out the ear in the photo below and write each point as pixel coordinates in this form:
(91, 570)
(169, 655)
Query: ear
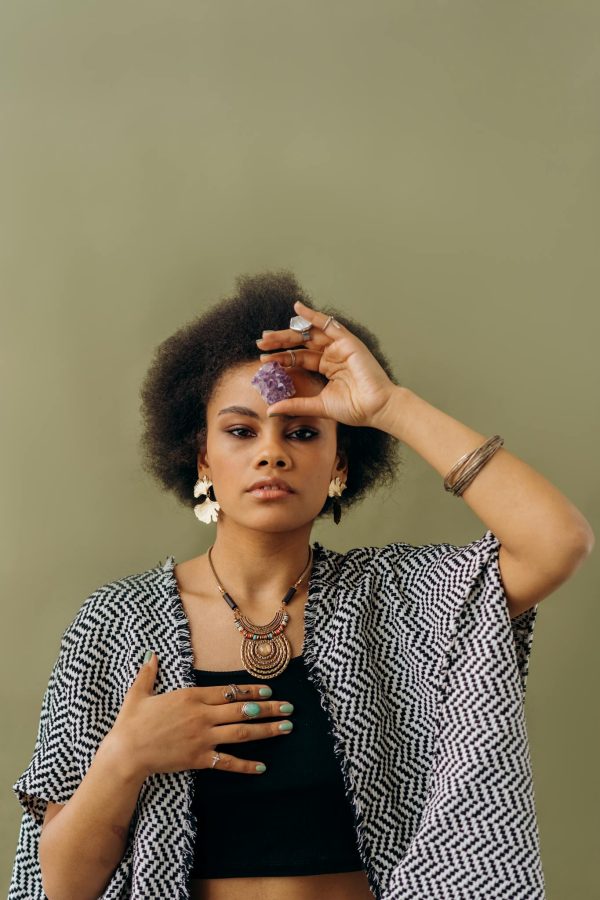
(201, 456)
(341, 466)
(202, 465)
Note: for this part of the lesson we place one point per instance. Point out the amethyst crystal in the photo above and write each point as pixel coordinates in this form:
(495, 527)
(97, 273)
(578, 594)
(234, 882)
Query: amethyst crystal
(273, 383)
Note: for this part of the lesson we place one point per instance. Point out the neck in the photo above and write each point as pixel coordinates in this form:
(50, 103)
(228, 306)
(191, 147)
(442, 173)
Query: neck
(257, 568)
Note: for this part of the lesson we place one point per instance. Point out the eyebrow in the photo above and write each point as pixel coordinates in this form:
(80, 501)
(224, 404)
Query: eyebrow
(246, 411)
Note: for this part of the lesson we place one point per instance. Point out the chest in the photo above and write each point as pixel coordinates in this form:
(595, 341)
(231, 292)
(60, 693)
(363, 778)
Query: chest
(216, 641)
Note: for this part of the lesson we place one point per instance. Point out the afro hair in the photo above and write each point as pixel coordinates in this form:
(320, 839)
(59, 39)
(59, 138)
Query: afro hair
(187, 366)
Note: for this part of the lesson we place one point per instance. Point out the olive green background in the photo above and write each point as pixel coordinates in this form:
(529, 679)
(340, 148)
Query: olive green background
(431, 168)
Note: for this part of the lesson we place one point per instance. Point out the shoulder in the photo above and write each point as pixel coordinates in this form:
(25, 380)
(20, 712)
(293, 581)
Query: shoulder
(131, 599)
(433, 561)
(404, 550)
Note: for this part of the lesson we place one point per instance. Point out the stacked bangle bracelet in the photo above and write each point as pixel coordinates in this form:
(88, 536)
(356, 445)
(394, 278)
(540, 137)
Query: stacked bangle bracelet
(468, 466)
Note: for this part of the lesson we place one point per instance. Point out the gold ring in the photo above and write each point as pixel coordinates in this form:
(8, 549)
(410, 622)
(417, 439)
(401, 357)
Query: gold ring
(293, 362)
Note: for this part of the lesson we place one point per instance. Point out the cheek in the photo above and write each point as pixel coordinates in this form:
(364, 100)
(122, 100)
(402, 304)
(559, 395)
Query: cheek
(316, 480)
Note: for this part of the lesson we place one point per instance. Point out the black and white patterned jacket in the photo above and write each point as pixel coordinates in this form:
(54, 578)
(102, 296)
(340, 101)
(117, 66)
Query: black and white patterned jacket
(422, 674)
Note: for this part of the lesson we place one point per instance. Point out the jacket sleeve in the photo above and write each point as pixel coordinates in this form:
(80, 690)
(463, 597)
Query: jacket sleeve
(445, 586)
(488, 587)
(478, 561)
(477, 820)
(55, 769)
(52, 773)
(98, 655)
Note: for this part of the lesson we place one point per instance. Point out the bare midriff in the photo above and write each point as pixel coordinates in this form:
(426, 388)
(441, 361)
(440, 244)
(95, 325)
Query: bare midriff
(334, 886)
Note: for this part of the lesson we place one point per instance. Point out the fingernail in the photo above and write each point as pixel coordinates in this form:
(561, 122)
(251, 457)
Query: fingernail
(148, 655)
(286, 726)
(259, 340)
(286, 708)
(261, 767)
(265, 691)
(267, 332)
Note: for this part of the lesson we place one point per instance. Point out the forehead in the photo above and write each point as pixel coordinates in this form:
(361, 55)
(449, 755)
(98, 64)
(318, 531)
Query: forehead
(235, 387)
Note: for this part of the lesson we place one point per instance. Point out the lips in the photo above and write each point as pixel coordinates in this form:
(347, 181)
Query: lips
(273, 483)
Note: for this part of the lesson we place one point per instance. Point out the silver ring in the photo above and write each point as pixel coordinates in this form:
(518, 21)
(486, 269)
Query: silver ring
(245, 713)
(328, 322)
(293, 362)
(235, 689)
(299, 323)
(215, 759)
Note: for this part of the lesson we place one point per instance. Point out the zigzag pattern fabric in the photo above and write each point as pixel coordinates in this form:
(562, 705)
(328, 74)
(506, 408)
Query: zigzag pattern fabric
(422, 675)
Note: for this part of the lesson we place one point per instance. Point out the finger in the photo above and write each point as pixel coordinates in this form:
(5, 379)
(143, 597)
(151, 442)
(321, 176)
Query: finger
(215, 694)
(302, 359)
(326, 331)
(334, 328)
(240, 732)
(267, 709)
(287, 337)
(298, 406)
(146, 676)
(229, 763)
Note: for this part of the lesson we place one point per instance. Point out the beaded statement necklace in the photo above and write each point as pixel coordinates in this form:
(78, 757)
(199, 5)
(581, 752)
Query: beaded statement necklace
(265, 650)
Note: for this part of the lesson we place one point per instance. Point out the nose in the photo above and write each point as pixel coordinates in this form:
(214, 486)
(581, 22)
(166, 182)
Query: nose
(273, 454)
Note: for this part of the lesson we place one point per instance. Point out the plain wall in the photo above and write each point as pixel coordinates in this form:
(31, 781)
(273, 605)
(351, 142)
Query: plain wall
(430, 168)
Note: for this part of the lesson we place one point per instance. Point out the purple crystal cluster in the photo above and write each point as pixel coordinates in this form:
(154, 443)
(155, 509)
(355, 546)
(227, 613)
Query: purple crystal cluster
(273, 383)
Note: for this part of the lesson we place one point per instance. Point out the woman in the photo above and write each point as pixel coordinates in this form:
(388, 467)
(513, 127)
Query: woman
(403, 770)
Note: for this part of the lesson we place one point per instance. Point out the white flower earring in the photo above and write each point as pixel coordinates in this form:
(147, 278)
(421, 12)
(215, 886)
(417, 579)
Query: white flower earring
(207, 510)
(335, 490)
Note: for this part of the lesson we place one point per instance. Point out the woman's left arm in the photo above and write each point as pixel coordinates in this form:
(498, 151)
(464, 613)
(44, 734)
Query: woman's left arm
(544, 538)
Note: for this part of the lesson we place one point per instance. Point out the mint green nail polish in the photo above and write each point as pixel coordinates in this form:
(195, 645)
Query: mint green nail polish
(286, 726)
(148, 655)
(286, 708)
(265, 692)
(261, 767)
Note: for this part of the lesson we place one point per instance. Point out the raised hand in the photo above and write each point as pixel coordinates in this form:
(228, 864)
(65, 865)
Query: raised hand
(358, 387)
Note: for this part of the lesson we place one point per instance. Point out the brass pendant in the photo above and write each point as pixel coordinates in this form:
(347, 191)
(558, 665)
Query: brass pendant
(265, 649)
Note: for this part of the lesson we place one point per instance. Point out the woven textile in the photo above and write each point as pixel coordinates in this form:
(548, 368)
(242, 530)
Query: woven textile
(422, 675)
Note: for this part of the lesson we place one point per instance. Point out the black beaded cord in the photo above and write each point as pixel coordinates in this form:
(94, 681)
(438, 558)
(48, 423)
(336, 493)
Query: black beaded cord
(265, 650)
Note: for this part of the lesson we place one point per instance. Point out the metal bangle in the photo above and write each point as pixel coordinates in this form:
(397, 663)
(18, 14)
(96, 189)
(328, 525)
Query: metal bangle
(471, 467)
(468, 466)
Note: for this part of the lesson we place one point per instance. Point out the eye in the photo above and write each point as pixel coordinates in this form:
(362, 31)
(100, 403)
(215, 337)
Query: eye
(233, 431)
(307, 431)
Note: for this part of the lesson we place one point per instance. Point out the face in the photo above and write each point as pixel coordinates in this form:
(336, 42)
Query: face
(244, 446)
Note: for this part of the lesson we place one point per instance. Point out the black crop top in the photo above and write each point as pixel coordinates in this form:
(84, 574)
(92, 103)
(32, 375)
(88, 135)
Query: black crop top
(295, 818)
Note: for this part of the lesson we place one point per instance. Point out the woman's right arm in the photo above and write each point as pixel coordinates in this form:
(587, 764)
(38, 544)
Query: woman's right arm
(82, 844)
